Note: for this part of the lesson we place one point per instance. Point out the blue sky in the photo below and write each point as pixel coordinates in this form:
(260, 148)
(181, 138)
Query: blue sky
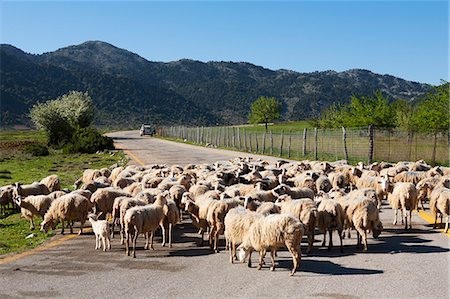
(408, 39)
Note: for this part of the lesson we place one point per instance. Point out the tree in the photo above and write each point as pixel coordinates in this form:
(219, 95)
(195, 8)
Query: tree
(264, 110)
(59, 118)
(433, 114)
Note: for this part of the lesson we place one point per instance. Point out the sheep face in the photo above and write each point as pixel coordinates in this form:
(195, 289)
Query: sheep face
(378, 228)
(242, 253)
(46, 225)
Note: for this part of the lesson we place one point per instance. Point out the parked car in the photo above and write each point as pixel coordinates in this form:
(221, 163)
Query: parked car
(147, 130)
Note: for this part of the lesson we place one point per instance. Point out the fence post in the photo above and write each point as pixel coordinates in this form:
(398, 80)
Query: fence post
(316, 157)
(264, 142)
(281, 143)
(239, 138)
(245, 140)
(250, 141)
(271, 143)
(234, 137)
(369, 161)
(344, 139)
(256, 139)
(289, 144)
(304, 142)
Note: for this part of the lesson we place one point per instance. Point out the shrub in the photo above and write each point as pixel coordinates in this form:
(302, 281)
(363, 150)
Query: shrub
(89, 141)
(36, 150)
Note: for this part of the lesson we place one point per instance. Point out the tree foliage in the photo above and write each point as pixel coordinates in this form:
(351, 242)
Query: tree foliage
(433, 113)
(59, 118)
(264, 110)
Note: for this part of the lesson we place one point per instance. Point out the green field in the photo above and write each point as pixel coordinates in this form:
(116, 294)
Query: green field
(293, 126)
(17, 166)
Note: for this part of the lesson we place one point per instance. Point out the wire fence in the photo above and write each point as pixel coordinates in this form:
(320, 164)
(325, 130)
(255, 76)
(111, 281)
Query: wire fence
(353, 144)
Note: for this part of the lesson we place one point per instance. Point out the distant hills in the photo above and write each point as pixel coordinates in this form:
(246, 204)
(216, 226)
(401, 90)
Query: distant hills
(128, 89)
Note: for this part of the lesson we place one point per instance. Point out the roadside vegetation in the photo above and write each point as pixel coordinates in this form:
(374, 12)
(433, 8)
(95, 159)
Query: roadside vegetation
(64, 145)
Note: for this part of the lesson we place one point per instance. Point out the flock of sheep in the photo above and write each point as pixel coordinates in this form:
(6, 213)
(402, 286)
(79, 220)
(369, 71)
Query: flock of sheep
(256, 205)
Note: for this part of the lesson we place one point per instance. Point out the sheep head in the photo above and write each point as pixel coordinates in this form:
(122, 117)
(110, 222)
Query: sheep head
(47, 224)
(377, 229)
(243, 252)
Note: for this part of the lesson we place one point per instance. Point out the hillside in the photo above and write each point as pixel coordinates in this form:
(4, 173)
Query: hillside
(128, 89)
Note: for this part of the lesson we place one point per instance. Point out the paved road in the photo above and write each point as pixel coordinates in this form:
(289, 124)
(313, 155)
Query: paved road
(413, 264)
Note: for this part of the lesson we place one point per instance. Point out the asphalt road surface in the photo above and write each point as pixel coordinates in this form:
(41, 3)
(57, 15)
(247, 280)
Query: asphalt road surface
(412, 264)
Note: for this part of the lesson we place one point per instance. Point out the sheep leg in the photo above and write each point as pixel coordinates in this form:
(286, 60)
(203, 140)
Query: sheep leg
(435, 220)
(340, 238)
(405, 215)
(262, 254)
(232, 250)
(363, 235)
(296, 257)
(96, 241)
(446, 224)
(410, 219)
(134, 241)
(104, 243)
(170, 235)
(310, 241)
(81, 226)
(146, 241)
(151, 240)
(324, 238)
(31, 223)
(163, 229)
(249, 264)
(127, 237)
(112, 227)
(330, 243)
(108, 242)
(62, 224)
(70, 223)
(272, 257)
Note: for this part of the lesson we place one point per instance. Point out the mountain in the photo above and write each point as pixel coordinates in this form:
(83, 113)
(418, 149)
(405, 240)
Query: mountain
(128, 89)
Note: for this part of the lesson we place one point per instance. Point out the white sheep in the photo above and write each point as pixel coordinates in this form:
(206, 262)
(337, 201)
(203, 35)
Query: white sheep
(403, 197)
(69, 207)
(101, 231)
(273, 232)
(295, 193)
(145, 219)
(52, 182)
(6, 197)
(440, 204)
(103, 200)
(32, 189)
(330, 216)
(171, 218)
(363, 215)
(237, 223)
(34, 205)
(305, 210)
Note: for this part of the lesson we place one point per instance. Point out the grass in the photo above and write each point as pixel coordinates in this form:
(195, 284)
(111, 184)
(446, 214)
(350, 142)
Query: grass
(293, 126)
(16, 166)
(13, 233)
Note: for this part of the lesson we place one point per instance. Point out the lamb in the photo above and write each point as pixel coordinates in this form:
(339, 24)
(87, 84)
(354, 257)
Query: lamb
(145, 219)
(330, 216)
(305, 210)
(425, 187)
(6, 197)
(101, 231)
(363, 215)
(237, 223)
(103, 200)
(440, 204)
(52, 182)
(32, 189)
(273, 232)
(34, 205)
(403, 197)
(176, 194)
(69, 207)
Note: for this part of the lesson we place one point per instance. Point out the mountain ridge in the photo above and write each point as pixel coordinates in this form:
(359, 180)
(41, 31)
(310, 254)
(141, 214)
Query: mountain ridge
(129, 89)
